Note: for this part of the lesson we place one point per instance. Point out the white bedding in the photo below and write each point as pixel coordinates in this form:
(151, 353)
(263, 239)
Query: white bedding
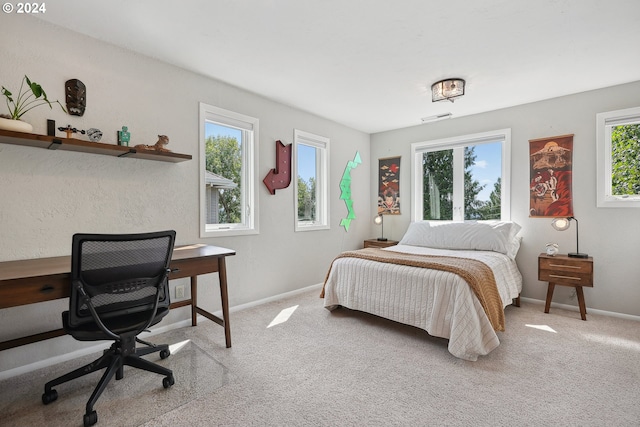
(439, 302)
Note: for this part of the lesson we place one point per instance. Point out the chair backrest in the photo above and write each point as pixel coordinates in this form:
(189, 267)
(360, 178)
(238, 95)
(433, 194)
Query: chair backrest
(120, 273)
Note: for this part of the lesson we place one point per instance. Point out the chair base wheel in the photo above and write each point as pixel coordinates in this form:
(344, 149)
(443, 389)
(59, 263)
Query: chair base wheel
(90, 418)
(168, 381)
(49, 396)
(164, 354)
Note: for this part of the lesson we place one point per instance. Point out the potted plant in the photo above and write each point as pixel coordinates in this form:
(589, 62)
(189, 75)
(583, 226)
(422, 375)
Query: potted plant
(30, 96)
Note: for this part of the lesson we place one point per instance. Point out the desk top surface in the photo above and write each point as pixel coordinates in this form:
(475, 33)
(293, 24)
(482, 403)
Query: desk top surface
(62, 264)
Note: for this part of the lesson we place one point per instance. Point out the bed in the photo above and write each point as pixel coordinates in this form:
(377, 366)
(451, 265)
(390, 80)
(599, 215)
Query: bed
(426, 281)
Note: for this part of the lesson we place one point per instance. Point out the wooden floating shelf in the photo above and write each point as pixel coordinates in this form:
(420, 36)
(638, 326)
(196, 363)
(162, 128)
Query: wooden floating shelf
(72, 144)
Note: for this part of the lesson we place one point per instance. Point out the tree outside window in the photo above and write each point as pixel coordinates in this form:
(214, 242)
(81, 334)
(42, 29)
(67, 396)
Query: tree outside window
(625, 160)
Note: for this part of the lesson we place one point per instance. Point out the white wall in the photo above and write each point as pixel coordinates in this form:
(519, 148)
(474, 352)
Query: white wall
(610, 235)
(47, 196)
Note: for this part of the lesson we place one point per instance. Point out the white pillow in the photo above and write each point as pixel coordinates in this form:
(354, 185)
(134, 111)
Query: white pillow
(497, 236)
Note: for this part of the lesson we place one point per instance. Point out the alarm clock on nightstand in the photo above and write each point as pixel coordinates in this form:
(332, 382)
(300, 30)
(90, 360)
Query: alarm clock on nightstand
(552, 249)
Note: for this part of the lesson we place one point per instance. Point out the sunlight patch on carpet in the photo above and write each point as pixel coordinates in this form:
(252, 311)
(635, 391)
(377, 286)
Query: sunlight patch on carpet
(174, 348)
(615, 341)
(542, 328)
(283, 316)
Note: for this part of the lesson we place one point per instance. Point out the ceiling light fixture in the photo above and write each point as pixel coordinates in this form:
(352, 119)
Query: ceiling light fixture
(436, 118)
(447, 89)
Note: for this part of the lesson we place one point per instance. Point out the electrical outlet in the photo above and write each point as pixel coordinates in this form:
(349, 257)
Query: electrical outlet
(179, 291)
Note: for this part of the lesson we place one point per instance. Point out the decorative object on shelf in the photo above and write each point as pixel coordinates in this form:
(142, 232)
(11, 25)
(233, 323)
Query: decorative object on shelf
(70, 131)
(447, 89)
(124, 136)
(158, 146)
(550, 170)
(76, 96)
(389, 186)
(345, 191)
(51, 127)
(379, 220)
(280, 176)
(94, 134)
(562, 224)
(551, 249)
(28, 98)
(15, 125)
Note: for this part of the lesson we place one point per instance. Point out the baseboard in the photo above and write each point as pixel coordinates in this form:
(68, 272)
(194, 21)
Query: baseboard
(158, 330)
(589, 310)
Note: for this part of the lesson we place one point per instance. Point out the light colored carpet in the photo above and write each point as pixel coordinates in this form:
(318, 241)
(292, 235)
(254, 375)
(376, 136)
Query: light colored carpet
(346, 368)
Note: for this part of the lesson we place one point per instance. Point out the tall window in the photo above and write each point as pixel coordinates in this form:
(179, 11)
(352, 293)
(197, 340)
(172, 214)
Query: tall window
(462, 178)
(227, 172)
(618, 152)
(311, 160)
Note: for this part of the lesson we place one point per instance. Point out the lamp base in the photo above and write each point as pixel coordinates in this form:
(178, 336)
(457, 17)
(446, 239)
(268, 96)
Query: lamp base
(577, 255)
(382, 239)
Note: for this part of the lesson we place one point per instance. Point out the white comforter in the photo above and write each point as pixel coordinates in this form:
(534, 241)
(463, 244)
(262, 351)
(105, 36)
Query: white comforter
(440, 302)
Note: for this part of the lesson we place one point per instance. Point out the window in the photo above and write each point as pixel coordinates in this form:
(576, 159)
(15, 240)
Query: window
(618, 153)
(462, 178)
(228, 163)
(310, 188)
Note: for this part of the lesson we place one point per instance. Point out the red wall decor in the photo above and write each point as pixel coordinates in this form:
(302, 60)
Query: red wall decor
(280, 177)
(389, 186)
(550, 169)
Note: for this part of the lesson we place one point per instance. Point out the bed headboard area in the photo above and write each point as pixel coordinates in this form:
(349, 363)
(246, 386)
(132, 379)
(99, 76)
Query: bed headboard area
(497, 236)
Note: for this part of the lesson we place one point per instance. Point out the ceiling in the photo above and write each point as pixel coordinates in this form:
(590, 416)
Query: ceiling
(369, 64)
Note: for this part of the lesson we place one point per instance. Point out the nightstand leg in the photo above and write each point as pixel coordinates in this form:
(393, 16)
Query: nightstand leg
(583, 307)
(550, 289)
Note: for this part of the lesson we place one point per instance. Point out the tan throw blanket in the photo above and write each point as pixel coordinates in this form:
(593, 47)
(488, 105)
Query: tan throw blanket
(476, 273)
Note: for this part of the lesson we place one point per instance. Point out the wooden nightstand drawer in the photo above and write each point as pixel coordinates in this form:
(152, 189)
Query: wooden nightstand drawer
(563, 270)
(375, 243)
(566, 278)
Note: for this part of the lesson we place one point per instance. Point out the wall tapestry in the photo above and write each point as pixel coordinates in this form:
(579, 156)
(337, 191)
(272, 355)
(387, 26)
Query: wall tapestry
(345, 191)
(389, 186)
(550, 170)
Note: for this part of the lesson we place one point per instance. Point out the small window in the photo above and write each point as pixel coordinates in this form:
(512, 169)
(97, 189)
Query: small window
(618, 154)
(311, 199)
(462, 178)
(228, 169)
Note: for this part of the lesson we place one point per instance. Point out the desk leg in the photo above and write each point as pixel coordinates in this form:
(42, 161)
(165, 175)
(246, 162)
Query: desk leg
(194, 300)
(224, 297)
(550, 289)
(583, 308)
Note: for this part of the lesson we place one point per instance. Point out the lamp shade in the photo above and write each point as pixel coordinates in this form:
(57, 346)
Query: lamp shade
(560, 224)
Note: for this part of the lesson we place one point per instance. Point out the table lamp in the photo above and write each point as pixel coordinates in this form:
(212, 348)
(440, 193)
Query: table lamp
(562, 224)
(379, 220)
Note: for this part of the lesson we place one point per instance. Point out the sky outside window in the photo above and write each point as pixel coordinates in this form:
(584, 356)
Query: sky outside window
(487, 167)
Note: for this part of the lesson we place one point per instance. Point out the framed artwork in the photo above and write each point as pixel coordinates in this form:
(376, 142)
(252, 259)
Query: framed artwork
(389, 186)
(550, 171)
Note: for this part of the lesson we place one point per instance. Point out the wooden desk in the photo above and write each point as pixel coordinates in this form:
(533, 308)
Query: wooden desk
(43, 279)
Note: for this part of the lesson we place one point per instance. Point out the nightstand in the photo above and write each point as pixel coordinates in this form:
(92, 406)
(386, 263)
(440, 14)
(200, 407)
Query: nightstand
(565, 271)
(375, 243)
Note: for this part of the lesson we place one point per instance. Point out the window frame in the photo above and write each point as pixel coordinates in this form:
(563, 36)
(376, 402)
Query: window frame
(321, 144)
(250, 143)
(459, 142)
(604, 122)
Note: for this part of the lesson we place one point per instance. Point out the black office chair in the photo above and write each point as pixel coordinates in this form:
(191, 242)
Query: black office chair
(119, 288)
